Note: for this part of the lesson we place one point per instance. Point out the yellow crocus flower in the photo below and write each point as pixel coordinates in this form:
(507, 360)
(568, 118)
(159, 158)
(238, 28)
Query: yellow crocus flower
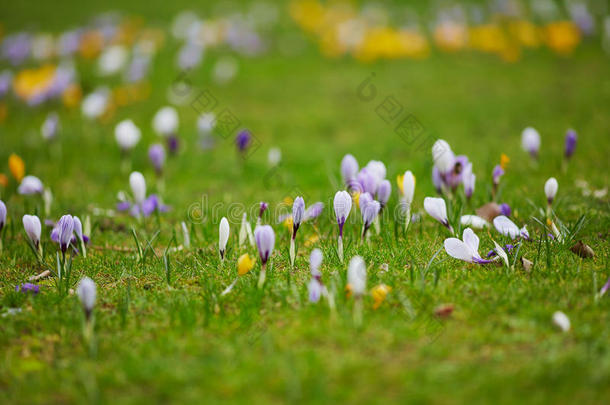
(504, 161)
(379, 293)
(16, 166)
(244, 264)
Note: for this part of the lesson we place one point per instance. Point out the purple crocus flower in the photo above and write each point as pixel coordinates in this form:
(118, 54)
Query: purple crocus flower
(313, 211)
(366, 182)
(497, 173)
(383, 192)
(298, 211)
(454, 178)
(6, 79)
(505, 209)
(437, 180)
(65, 229)
(243, 140)
(173, 143)
(156, 154)
(16, 48)
(571, 138)
(342, 205)
(28, 288)
(2, 215)
(605, 288)
(265, 241)
(349, 169)
(262, 208)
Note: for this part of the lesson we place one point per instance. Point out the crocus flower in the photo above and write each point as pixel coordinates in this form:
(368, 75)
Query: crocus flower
(383, 192)
(571, 138)
(437, 209)
(28, 288)
(377, 169)
(315, 287)
(505, 209)
(265, 241)
(50, 126)
(165, 122)
(244, 264)
(274, 156)
(30, 185)
(443, 156)
(32, 227)
(469, 180)
(356, 278)
(2, 215)
(466, 249)
(550, 189)
(604, 289)
(86, 291)
(496, 174)
(379, 294)
(243, 140)
(366, 182)
(127, 135)
(474, 221)
(298, 212)
(349, 169)
(342, 204)
(65, 228)
(138, 187)
(369, 209)
(96, 103)
(223, 236)
(562, 321)
(313, 211)
(508, 228)
(408, 189)
(156, 154)
(530, 141)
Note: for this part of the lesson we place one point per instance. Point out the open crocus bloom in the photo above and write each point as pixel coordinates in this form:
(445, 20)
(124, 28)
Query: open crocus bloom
(466, 249)
(508, 228)
(436, 208)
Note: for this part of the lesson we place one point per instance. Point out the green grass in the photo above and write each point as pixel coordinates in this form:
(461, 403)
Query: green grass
(183, 342)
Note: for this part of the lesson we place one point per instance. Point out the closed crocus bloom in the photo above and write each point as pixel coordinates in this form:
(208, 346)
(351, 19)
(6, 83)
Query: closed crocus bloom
(437, 209)
(30, 185)
(223, 236)
(314, 290)
(370, 212)
(16, 166)
(468, 179)
(265, 241)
(408, 186)
(443, 156)
(86, 291)
(496, 174)
(244, 264)
(32, 227)
(530, 141)
(127, 134)
(562, 321)
(50, 126)
(383, 192)
(96, 103)
(156, 154)
(342, 204)
(571, 138)
(165, 121)
(349, 168)
(65, 228)
(379, 293)
(377, 169)
(506, 227)
(366, 182)
(356, 276)
(550, 189)
(2, 214)
(243, 140)
(315, 260)
(138, 187)
(298, 211)
(466, 249)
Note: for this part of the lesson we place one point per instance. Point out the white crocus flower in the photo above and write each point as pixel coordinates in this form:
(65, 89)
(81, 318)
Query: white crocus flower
(550, 189)
(437, 209)
(562, 321)
(138, 187)
(165, 121)
(127, 134)
(223, 236)
(466, 249)
(474, 221)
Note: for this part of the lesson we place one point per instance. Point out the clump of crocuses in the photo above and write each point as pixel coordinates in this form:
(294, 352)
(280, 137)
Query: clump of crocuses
(140, 205)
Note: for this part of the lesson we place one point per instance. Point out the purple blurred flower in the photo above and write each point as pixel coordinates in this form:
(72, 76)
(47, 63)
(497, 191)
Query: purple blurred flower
(505, 209)
(497, 173)
(28, 288)
(156, 154)
(243, 140)
(6, 79)
(173, 143)
(383, 192)
(366, 182)
(65, 229)
(16, 48)
(2, 214)
(571, 138)
(349, 169)
(265, 241)
(313, 211)
(50, 126)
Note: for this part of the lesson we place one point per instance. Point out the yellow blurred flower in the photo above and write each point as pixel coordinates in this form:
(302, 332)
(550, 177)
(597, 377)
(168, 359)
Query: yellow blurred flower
(309, 14)
(16, 166)
(379, 293)
(399, 182)
(313, 239)
(356, 198)
(525, 32)
(287, 201)
(504, 161)
(3, 180)
(348, 290)
(91, 44)
(288, 222)
(562, 36)
(451, 36)
(244, 264)
(30, 83)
